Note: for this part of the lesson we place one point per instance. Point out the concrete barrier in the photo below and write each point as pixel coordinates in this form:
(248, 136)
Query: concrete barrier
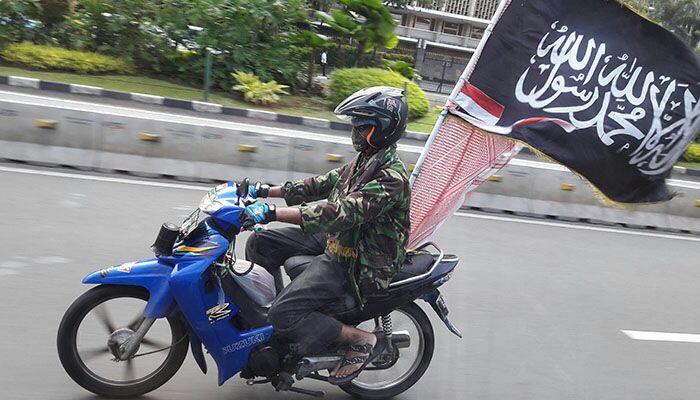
(155, 143)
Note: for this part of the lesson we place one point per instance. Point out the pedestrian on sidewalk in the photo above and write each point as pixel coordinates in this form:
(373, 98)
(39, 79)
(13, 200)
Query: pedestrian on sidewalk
(324, 61)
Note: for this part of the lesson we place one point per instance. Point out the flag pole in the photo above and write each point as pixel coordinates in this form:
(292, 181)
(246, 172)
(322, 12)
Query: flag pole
(465, 75)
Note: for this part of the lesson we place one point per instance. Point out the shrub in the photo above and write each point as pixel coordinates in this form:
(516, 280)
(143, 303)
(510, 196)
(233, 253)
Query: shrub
(250, 35)
(692, 154)
(399, 57)
(402, 68)
(56, 58)
(258, 92)
(345, 82)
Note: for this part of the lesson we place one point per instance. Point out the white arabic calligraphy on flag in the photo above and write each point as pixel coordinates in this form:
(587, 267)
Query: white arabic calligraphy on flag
(618, 90)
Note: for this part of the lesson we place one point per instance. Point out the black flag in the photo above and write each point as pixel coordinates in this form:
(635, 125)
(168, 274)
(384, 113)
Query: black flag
(592, 85)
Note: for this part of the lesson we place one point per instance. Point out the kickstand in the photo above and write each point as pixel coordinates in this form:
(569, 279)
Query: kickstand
(285, 381)
(313, 393)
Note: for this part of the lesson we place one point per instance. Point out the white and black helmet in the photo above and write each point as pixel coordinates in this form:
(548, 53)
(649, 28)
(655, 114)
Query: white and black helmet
(378, 115)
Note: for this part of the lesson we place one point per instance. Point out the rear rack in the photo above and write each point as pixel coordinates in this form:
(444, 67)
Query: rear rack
(441, 255)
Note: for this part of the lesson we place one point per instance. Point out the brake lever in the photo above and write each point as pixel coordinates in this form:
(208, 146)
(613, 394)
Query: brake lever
(249, 200)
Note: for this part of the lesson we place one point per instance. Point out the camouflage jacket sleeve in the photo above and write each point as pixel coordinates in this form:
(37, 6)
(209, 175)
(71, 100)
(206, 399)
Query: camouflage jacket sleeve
(311, 189)
(371, 201)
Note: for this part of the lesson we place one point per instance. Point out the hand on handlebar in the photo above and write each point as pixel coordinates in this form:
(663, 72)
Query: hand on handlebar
(257, 213)
(255, 190)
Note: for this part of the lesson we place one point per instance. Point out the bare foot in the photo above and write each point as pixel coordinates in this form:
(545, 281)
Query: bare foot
(354, 358)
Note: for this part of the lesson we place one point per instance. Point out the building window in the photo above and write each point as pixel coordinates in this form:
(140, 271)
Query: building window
(485, 9)
(450, 28)
(422, 23)
(457, 7)
(476, 33)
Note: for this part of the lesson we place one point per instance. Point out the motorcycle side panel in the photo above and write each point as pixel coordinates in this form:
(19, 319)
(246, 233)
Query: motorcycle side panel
(200, 297)
(147, 273)
(189, 287)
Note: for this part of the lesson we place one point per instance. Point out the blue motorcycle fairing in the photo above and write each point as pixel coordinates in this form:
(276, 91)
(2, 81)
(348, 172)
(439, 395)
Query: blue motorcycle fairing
(184, 281)
(209, 314)
(226, 194)
(148, 273)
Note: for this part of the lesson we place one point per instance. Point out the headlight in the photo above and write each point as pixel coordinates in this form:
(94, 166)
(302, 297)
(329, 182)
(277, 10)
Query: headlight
(209, 204)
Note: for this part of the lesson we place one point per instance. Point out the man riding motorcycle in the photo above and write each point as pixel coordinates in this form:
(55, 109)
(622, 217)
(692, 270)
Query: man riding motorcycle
(359, 235)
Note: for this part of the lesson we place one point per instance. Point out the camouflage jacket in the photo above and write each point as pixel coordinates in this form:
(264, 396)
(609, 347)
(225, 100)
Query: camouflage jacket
(366, 216)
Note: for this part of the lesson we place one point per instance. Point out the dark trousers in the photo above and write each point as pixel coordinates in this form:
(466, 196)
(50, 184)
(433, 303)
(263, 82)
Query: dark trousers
(323, 69)
(303, 311)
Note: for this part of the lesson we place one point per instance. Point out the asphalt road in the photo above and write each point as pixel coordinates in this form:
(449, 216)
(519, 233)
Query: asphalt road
(541, 304)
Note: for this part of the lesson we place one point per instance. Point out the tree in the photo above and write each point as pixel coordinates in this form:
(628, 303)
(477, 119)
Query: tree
(368, 22)
(251, 35)
(314, 44)
(681, 17)
(17, 20)
(54, 11)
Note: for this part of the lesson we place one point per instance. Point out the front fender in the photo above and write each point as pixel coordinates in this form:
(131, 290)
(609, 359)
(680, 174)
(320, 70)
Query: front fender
(147, 273)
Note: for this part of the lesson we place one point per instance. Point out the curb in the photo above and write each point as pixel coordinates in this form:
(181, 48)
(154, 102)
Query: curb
(192, 105)
(585, 221)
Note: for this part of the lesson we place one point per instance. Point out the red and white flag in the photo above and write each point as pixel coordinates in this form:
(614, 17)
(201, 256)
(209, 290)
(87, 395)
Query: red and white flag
(478, 104)
(459, 160)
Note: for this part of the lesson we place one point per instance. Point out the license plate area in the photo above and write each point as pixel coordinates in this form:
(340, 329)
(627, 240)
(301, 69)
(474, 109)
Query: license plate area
(441, 306)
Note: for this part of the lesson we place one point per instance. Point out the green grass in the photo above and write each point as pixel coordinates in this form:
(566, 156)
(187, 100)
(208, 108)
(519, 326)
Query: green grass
(694, 165)
(315, 107)
(425, 124)
(293, 105)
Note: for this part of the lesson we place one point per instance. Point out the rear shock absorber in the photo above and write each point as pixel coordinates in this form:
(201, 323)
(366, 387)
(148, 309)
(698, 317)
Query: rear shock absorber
(386, 325)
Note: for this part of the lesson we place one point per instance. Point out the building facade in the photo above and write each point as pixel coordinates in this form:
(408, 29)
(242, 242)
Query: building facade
(443, 33)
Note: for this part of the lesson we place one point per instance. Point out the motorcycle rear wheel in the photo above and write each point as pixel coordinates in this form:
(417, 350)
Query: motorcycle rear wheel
(77, 369)
(425, 343)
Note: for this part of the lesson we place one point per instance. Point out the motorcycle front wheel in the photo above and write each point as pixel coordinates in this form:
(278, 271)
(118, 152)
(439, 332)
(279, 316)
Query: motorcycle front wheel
(399, 375)
(101, 319)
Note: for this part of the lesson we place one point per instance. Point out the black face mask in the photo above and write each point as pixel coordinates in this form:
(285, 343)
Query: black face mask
(359, 138)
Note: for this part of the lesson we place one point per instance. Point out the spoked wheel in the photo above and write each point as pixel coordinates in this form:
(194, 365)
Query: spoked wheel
(103, 319)
(403, 367)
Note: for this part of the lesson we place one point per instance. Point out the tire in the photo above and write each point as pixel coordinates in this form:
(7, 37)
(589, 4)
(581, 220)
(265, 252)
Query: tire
(79, 372)
(421, 319)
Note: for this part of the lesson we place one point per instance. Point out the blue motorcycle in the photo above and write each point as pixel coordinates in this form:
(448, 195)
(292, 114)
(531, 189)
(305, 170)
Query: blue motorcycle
(131, 333)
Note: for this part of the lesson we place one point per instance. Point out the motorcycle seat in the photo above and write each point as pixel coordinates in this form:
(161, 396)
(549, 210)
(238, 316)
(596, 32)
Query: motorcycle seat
(416, 264)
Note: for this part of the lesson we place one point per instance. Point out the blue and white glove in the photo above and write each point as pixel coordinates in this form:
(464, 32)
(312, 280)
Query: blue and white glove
(258, 213)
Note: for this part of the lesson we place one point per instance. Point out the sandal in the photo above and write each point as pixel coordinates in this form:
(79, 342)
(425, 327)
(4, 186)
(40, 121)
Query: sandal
(371, 354)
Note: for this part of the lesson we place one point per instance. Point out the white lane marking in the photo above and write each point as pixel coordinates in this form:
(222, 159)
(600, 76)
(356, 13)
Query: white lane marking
(52, 260)
(13, 264)
(683, 184)
(662, 336)
(580, 227)
(461, 214)
(102, 178)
